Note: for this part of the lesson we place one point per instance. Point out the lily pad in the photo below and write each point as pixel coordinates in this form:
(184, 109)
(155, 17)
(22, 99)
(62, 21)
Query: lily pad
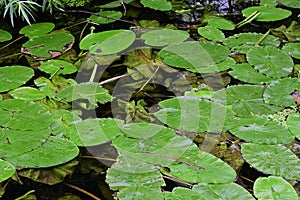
(221, 23)
(12, 77)
(164, 37)
(107, 42)
(48, 46)
(27, 93)
(37, 29)
(53, 152)
(211, 33)
(109, 16)
(293, 49)
(270, 61)
(57, 67)
(267, 14)
(272, 159)
(280, 92)
(273, 187)
(266, 3)
(246, 73)
(162, 5)
(115, 4)
(290, 3)
(293, 123)
(5, 35)
(7, 170)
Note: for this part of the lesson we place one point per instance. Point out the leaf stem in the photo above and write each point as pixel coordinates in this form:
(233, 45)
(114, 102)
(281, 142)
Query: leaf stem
(11, 42)
(262, 38)
(83, 191)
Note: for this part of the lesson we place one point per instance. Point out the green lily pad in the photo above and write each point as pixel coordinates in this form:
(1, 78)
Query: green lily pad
(115, 4)
(279, 92)
(107, 42)
(57, 67)
(246, 73)
(218, 52)
(221, 23)
(293, 123)
(273, 187)
(53, 152)
(270, 61)
(203, 191)
(48, 46)
(93, 92)
(267, 14)
(109, 17)
(272, 159)
(27, 93)
(162, 5)
(268, 3)
(7, 170)
(192, 114)
(143, 130)
(191, 56)
(290, 3)
(242, 42)
(262, 131)
(37, 29)
(164, 37)
(211, 33)
(12, 77)
(63, 121)
(5, 35)
(293, 49)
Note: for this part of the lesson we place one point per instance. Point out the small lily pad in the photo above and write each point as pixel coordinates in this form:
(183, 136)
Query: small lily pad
(267, 14)
(277, 160)
(7, 170)
(5, 35)
(37, 29)
(290, 3)
(221, 23)
(270, 61)
(292, 49)
(162, 5)
(57, 67)
(108, 17)
(27, 93)
(107, 42)
(293, 123)
(275, 188)
(115, 4)
(12, 77)
(164, 37)
(211, 33)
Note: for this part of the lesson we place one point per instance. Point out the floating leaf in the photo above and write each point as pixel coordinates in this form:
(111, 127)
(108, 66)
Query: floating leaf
(37, 29)
(63, 121)
(27, 93)
(106, 17)
(211, 33)
(12, 77)
(293, 123)
(273, 187)
(7, 170)
(144, 130)
(246, 73)
(191, 56)
(279, 92)
(272, 159)
(115, 4)
(48, 46)
(218, 52)
(221, 23)
(162, 5)
(93, 92)
(53, 152)
(107, 42)
(268, 3)
(242, 42)
(192, 114)
(270, 61)
(293, 49)
(290, 3)
(262, 131)
(4, 35)
(267, 14)
(57, 67)
(164, 37)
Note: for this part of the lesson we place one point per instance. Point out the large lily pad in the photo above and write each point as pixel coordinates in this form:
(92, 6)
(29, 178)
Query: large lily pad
(37, 29)
(270, 61)
(272, 159)
(107, 42)
(7, 170)
(162, 5)
(273, 187)
(12, 77)
(5, 35)
(267, 14)
(164, 37)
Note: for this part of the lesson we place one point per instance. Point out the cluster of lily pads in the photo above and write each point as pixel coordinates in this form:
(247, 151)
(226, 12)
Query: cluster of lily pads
(41, 129)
